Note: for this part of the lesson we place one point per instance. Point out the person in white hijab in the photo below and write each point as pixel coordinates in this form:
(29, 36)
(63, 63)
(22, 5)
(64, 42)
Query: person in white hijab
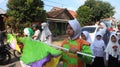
(73, 43)
(76, 27)
(105, 32)
(46, 35)
(112, 51)
(98, 47)
(86, 36)
(102, 28)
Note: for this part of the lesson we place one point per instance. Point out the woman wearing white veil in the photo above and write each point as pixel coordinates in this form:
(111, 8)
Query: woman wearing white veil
(46, 35)
(105, 32)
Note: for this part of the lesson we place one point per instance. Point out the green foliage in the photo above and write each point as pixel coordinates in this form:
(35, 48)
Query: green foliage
(23, 11)
(84, 14)
(96, 10)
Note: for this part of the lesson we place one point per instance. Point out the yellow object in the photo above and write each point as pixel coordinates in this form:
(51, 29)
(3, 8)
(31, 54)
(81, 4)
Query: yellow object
(18, 48)
(53, 62)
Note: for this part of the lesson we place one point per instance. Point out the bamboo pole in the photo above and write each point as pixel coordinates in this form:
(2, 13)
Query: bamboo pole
(68, 50)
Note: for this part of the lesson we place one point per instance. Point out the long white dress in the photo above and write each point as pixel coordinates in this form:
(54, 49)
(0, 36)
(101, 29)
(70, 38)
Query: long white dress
(46, 35)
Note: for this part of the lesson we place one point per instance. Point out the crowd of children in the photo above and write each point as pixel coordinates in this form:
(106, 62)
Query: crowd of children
(106, 51)
(105, 47)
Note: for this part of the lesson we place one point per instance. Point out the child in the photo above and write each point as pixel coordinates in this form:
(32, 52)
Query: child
(85, 35)
(36, 35)
(74, 44)
(112, 51)
(98, 47)
(28, 32)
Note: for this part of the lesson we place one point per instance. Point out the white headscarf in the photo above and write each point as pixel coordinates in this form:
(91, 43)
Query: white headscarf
(88, 38)
(103, 30)
(98, 43)
(98, 46)
(45, 32)
(76, 27)
(110, 50)
(28, 31)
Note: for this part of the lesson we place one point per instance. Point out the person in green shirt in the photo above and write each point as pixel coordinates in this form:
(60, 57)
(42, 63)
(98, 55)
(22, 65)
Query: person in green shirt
(74, 44)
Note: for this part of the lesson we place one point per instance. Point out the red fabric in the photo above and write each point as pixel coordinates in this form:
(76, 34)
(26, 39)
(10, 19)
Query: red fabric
(110, 29)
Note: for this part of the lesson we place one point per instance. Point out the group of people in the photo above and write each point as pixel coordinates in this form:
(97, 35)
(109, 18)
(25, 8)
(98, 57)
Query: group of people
(35, 33)
(105, 47)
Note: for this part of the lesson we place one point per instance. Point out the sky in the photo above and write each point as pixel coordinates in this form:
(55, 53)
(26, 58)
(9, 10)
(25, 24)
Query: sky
(69, 4)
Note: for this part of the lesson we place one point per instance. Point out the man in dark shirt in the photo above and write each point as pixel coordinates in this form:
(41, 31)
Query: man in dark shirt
(2, 37)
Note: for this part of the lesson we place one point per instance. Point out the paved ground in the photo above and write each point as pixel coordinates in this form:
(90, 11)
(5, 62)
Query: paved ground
(15, 62)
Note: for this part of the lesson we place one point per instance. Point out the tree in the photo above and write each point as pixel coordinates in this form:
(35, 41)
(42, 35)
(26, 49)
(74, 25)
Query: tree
(99, 10)
(24, 11)
(84, 15)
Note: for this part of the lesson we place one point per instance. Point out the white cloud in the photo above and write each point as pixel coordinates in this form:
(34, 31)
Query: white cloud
(77, 4)
(1, 1)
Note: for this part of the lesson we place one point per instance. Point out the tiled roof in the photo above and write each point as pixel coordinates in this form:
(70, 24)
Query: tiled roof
(55, 11)
(73, 13)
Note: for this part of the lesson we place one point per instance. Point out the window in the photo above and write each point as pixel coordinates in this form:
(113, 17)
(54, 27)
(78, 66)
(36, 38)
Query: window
(89, 29)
